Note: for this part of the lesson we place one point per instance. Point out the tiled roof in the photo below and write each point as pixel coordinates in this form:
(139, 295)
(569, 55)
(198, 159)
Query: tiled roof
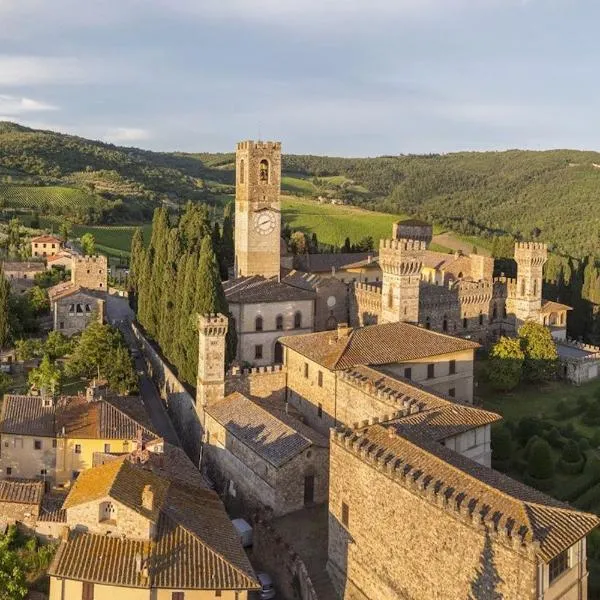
(46, 239)
(457, 483)
(437, 260)
(118, 418)
(21, 491)
(257, 289)
(52, 510)
(375, 345)
(264, 429)
(65, 289)
(305, 281)
(120, 480)
(548, 306)
(324, 263)
(27, 415)
(196, 546)
(23, 266)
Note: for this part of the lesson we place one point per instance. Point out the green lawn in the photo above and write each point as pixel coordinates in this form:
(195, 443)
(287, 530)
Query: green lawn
(114, 240)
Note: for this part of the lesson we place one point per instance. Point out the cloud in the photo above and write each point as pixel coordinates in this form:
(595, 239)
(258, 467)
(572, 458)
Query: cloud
(120, 135)
(14, 105)
(35, 70)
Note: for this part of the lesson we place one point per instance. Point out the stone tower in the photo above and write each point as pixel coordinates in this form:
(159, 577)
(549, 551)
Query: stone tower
(257, 209)
(90, 272)
(401, 261)
(210, 384)
(530, 258)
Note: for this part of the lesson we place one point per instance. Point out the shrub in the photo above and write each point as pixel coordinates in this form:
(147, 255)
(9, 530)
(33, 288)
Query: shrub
(582, 402)
(589, 478)
(583, 444)
(554, 438)
(595, 441)
(589, 499)
(505, 364)
(501, 443)
(592, 414)
(571, 460)
(569, 431)
(529, 445)
(527, 428)
(540, 464)
(566, 411)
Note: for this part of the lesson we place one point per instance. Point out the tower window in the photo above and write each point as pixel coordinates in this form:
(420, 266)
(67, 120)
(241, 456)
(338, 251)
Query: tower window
(263, 174)
(427, 323)
(258, 324)
(445, 323)
(465, 322)
(279, 322)
(480, 318)
(242, 165)
(452, 367)
(430, 371)
(535, 287)
(522, 287)
(258, 351)
(345, 514)
(298, 320)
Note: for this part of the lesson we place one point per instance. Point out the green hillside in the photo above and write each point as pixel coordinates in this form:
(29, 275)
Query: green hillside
(553, 196)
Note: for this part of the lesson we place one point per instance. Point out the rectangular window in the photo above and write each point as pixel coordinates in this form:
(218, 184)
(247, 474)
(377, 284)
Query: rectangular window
(217, 593)
(61, 325)
(54, 443)
(558, 565)
(452, 367)
(258, 351)
(320, 378)
(77, 448)
(181, 595)
(43, 472)
(87, 591)
(430, 371)
(106, 448)
(345, 514)
(9, 471)
(37, 444)
(452, 392)
(306, 370)
(408, 373)
(320, 411)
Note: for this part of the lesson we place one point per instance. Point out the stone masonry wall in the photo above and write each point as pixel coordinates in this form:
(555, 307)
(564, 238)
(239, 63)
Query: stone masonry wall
(13, 512)
(399, 546)
(90, 272)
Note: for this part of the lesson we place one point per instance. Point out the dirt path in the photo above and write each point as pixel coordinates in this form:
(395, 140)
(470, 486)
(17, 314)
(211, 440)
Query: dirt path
(450, 241)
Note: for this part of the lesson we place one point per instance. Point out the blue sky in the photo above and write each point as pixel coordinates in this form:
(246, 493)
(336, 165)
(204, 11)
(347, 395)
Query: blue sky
(344, 77)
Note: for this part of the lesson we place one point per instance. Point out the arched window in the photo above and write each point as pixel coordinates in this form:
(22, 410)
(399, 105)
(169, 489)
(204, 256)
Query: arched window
(427, 323)
(480, 318)
(445, 323)
(79, 309)
(522, 287)
(535, 287)
(88, 308)
(298, 320)
(263, 173)
(258, 324)
(331, 323)
(460, 275)
(504, 312)
(279, 322)
(465, 322)
(242, 167)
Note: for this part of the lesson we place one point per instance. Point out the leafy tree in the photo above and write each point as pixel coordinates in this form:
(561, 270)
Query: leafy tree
(541, 356)
(57, 345)
(12, 574)
(571, 452)
(5, 381)
(88, 244)
(505, 364)
(4, 309)
(65, 231)
(540, 464)
(120, 371)
(26, 349)
(527, 428)
(38, 298)
(46, 377)
(298, 243)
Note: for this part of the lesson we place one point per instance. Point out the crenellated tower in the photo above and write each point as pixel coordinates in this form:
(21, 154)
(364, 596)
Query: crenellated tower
(210, 385)
(258, 209)
(90, 272)
(530, 258)
(401, 261)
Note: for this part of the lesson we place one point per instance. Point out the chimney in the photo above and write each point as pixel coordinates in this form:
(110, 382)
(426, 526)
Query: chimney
(343, 330)
(148, 498)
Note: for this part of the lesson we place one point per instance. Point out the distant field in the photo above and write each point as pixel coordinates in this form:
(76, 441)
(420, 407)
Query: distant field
(113, 240)
(43, 197)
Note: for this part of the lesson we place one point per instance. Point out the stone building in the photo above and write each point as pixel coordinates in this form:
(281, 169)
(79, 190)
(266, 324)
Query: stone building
(132, 534)
(56, 441)
(20, 501)
(454, 529)
(21, 274)
(45, 245)
(90, 272)
(263, 456)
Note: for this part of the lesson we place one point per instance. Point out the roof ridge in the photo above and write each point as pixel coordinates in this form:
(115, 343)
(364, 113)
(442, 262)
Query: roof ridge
(117, 408)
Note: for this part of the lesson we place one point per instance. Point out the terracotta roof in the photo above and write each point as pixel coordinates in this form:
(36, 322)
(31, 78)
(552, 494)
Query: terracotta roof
(22, 491)
(65, 289)
(27, 415)
(52, 510)
(457, 483)
(257, 289)
(306, 281)
(120, 480)
(267, 431)
(324, 263)
(374, 345)
(117, 418)
(46, 239)
(23, 266)
(196, 546)
(548, 306)
(437, 260)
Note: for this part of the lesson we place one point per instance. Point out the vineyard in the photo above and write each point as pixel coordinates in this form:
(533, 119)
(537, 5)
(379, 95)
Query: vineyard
(43, 198)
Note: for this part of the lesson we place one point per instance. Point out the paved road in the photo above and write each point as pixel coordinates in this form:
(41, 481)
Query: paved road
(118, 310)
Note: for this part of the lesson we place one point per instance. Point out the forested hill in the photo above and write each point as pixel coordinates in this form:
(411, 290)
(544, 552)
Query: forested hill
(552, 195)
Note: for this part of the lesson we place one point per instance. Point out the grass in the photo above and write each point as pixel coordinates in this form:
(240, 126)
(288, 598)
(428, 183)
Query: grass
(113, 240)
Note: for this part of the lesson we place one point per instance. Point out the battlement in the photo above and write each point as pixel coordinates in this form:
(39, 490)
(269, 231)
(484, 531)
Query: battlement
(97, 258)
(268, 369)
(531, 246)
(475, 292)
(252, 145)
(403, 245)
(213, 324)
(503, 526)
(367, 288)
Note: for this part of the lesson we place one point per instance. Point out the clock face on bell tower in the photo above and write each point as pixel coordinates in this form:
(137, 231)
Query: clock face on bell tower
(264, 222)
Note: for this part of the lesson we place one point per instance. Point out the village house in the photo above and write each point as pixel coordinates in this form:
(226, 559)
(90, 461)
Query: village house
(45, 245)
(132, 534)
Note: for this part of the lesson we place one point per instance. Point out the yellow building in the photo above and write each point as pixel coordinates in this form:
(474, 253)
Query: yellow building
(136, 535)
(55, 441)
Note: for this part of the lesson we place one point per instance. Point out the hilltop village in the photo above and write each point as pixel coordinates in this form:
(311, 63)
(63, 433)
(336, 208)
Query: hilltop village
(344, 435)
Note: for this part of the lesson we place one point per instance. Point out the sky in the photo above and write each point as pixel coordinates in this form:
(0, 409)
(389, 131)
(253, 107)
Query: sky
(337, 77)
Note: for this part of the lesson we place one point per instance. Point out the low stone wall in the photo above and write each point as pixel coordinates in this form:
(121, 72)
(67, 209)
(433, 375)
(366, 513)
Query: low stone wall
(275, 556)
(179, 401)
(260, 382)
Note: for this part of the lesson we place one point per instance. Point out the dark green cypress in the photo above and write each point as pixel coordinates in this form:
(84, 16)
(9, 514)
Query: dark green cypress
(4, 309)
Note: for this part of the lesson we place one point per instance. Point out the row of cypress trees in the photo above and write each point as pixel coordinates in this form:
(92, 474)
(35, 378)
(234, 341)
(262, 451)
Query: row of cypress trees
(179, 276)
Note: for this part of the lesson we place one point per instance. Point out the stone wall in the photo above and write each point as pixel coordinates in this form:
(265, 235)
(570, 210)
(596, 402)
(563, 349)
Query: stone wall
(13, 512)
(398, 545)
(90, 272)
(273, 555)
(268, 383)
(178, 399)
(67, 318)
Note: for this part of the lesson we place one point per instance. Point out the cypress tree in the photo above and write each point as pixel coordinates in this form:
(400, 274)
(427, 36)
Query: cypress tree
(137, 251)
(227, 243)
(158, 244)
(4, 309)
(167, 300)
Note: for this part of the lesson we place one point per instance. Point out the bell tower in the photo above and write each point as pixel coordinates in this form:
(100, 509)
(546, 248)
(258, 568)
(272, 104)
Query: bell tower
(257, 209)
